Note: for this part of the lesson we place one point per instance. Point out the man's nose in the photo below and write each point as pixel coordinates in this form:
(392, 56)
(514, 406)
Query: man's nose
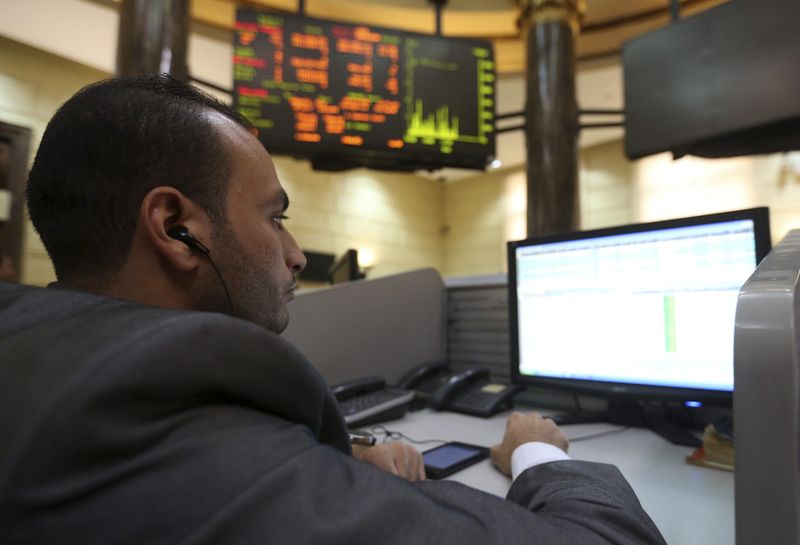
(295, 258)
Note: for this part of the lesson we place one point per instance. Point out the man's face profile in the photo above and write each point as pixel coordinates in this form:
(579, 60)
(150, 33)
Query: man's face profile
(256, 254)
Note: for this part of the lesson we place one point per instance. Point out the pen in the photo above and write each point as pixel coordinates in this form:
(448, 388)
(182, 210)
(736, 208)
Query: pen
(361, 438)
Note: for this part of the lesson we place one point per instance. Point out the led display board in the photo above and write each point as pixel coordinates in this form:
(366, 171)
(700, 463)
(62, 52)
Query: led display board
(348, 95)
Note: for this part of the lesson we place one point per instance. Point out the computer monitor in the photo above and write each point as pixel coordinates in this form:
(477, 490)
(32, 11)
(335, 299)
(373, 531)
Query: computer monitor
(766, 404)
(345, 269)
(636, 313)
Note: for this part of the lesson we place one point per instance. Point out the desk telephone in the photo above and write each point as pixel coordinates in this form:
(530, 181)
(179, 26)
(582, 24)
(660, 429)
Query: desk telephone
(471, 391)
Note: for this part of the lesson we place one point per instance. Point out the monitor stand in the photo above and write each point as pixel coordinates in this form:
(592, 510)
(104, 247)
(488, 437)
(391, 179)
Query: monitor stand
(578, 417)
(662, 421)
(672, 431)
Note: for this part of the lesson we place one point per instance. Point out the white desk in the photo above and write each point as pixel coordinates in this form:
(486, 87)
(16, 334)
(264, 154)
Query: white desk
(689, 504)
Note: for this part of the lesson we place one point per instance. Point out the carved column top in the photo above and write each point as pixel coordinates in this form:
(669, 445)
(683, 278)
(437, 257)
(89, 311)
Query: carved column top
(533, 12)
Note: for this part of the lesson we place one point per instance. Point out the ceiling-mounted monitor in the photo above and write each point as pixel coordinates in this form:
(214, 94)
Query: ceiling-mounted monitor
(722, 83)
(345, 95)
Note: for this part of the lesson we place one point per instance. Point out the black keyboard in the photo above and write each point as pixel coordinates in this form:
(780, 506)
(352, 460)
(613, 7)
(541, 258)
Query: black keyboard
(474, 400)
(376, 406)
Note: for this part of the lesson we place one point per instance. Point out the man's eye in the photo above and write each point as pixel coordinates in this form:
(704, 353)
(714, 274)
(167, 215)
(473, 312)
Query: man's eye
(280, 219)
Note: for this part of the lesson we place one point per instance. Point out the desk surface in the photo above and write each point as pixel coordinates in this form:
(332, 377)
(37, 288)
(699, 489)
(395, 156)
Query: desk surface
(689, 504)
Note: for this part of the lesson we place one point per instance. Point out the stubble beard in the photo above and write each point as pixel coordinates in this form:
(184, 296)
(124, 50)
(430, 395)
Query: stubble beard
(256, 295)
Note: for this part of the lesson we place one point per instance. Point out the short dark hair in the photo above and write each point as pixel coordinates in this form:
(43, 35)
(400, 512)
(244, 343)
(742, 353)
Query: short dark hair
(105, 149)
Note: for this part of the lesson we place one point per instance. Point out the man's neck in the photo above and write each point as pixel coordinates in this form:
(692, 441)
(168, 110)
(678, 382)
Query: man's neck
(145, 293)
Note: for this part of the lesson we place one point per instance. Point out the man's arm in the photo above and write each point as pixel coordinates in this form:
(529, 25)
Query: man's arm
(198, 431)
(592, 500)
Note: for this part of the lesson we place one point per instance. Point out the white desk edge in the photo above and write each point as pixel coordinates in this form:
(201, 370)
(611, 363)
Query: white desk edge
(689, 504)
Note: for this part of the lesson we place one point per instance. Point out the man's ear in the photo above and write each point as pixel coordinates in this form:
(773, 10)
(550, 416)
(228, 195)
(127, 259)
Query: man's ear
(165, 208)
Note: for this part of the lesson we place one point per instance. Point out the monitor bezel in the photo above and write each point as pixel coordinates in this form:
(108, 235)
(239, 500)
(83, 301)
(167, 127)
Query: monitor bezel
(622, 390)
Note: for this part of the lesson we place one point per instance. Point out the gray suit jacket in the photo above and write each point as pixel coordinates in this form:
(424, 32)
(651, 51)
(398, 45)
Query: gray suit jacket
(124, 424)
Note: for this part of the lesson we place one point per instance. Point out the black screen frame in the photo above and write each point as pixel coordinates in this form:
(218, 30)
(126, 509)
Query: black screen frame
(622, 391)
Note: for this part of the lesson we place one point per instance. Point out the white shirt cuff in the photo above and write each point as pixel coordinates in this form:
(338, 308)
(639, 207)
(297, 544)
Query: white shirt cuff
(532, 454)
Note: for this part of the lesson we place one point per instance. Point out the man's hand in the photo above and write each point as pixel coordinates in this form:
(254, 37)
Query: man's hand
(399, 458)
(524, 428)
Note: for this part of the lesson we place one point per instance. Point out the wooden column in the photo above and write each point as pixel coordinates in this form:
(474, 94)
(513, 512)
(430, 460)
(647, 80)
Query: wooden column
(153, 38)
(551, 111)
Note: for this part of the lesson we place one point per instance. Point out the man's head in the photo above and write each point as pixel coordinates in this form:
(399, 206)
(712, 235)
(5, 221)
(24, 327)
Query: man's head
(124, 161)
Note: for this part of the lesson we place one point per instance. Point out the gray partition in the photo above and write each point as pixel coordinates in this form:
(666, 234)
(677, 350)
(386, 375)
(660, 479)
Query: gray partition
(380, 327)
(477, 323)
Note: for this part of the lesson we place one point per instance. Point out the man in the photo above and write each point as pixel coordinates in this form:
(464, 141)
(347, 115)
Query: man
(126, 423)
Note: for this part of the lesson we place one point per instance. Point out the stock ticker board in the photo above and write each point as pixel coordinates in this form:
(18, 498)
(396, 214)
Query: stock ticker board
(350, 95)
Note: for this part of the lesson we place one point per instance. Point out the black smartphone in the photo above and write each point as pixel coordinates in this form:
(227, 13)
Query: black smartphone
(446, 459)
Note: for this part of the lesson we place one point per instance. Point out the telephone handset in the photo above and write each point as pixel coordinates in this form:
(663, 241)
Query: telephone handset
(425, 378)
(471, 391)
(456, 382)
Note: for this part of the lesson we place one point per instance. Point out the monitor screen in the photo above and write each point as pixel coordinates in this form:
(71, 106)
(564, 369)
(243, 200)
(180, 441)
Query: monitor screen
(348, 95)
(638, 310)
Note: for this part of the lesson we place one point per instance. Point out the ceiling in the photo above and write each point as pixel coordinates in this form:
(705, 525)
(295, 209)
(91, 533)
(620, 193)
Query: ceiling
(606, 26)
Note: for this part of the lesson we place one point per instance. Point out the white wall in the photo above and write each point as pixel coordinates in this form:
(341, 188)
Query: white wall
(483, 212)
(665, 188)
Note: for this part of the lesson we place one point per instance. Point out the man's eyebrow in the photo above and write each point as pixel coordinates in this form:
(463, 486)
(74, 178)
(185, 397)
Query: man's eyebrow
(285, 198)
(279, 197)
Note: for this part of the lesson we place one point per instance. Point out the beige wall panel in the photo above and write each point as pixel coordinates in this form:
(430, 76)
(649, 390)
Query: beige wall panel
(37, 270)
(17, 96)
(480, 261)
(608, 197)
(597, 219)
(33, 244)
(33, 84)
(783, 222)
(314, 240)
(308, 217)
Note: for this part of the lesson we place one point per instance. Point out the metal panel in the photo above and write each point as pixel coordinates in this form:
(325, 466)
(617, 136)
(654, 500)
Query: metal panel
(766, 400)
(477, 328)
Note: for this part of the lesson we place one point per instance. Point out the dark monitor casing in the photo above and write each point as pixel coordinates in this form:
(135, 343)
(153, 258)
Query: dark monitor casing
(346, 268)
(318, 266)
(697, 86)
(620, 391)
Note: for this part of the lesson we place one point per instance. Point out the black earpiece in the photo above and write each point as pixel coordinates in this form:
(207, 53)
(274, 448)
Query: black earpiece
(179, 232)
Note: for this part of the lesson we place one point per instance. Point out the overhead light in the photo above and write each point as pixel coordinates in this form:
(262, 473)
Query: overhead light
(366, 258)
